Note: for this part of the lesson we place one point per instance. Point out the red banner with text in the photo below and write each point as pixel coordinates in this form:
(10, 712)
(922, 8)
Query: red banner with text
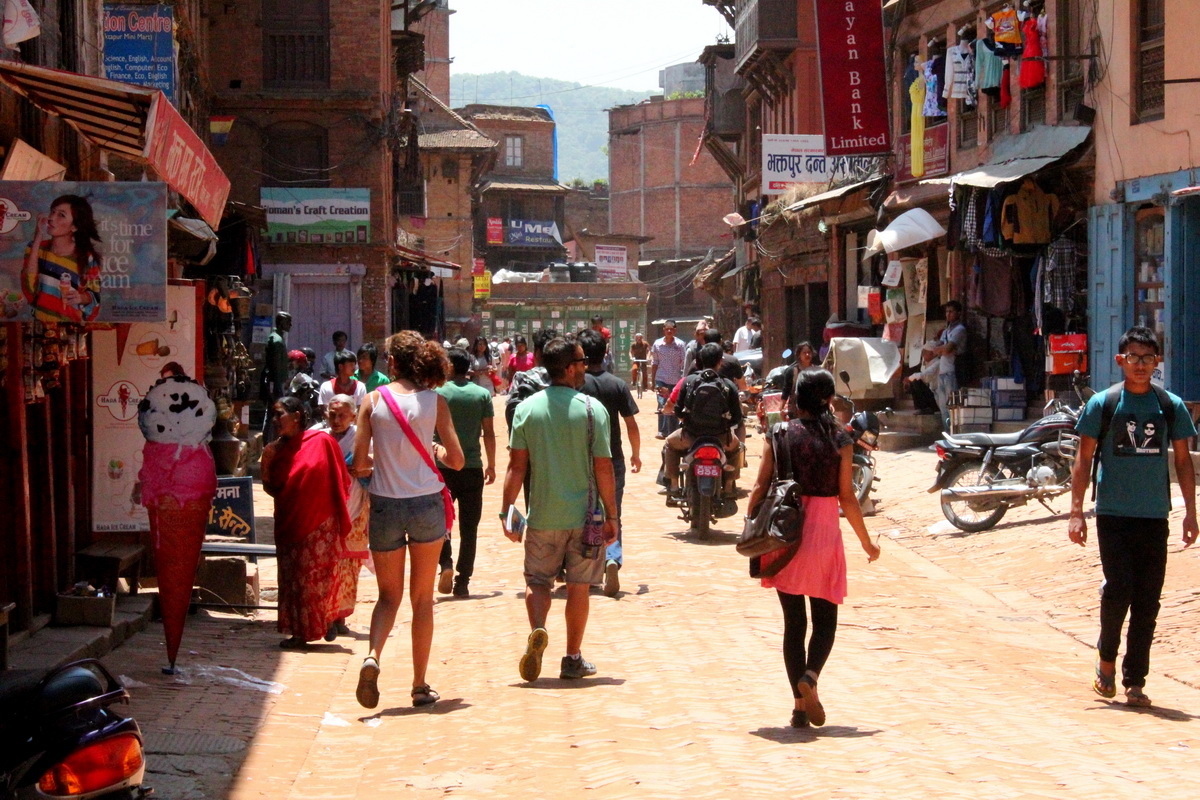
(853, 81)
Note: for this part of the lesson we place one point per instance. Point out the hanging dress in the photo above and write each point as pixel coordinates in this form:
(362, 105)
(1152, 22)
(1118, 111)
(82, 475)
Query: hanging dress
(1033, 68)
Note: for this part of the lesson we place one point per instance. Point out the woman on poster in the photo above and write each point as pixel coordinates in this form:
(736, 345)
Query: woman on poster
(61, 274)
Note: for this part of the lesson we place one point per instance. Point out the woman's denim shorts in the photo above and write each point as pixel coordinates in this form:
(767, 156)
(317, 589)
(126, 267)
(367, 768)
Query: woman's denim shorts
(396, 521)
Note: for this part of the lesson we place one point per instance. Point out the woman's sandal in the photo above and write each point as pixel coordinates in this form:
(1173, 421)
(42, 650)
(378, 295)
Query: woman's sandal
(1134, 696)
(294, 643)
(816, 712)
(424, 696)
(1105, 685)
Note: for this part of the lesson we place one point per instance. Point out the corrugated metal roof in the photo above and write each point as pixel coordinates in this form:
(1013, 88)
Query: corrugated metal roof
(523, 185)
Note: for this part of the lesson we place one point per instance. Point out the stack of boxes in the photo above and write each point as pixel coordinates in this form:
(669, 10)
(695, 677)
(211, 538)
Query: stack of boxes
(971, 411)
(1008, 399)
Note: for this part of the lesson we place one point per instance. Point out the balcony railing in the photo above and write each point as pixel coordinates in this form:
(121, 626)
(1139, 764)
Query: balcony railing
(296, 60)
(763, 25)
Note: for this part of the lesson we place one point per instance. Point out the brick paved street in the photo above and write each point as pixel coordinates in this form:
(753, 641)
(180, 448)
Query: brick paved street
(960, 670)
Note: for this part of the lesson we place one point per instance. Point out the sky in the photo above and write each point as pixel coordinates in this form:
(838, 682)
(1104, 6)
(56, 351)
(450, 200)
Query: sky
(621, 43)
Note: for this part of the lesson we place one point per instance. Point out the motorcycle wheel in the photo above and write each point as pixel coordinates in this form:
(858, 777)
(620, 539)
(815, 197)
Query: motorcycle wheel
(701, 513)
(862, 477)
(967, 515)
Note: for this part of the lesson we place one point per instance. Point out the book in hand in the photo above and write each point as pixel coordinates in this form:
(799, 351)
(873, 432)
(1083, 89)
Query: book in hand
(515, 523)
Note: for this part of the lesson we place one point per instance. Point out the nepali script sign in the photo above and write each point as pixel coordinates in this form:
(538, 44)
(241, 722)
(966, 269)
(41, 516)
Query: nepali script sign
(853, 81)
(789, 159)
(232, 512)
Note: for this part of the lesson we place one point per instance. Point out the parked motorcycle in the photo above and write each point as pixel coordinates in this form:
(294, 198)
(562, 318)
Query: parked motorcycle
(982, 475)
(863, 427)
(705, 470)
(59, 738)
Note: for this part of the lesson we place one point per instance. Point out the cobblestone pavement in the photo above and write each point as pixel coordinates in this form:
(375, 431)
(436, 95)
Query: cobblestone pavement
(961, 669)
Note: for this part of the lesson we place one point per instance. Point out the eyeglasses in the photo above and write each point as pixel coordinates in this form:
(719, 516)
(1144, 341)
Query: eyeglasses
(578, 360)
(1149, 359)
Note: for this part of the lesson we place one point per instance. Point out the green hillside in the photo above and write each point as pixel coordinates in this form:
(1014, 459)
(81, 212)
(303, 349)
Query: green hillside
(579, 112)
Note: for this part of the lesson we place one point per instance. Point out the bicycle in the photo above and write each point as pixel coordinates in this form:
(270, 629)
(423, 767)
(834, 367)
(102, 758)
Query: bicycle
(639, 375)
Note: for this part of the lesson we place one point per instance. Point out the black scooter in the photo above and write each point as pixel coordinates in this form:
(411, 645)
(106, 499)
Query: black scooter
(59, 738)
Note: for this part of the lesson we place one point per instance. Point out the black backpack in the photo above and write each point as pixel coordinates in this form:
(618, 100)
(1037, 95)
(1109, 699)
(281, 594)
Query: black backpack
(705, 411)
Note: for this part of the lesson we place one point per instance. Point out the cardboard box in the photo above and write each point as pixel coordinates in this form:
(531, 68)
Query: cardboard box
(1010, 414)
(972, 398)
(74, 610)
(1065, 363)
(1008, 399)
(1007, 384)
(970, 415)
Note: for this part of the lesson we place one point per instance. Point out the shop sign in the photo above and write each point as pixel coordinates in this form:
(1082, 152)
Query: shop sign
(232, 512)
(535, 233)
(937, 154)
(182, 160)
(495, 230)
(479, 266)
(317, 216)
(612, 263)
(853, 81)
(483, 286)
(789, 159)
(126, 363)
(139, 46)
(126, 277)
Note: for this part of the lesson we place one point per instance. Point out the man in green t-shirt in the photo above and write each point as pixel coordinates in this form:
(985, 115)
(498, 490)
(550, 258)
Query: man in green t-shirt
(471, 410)
(368, 357)
(275, 371)
(550, 438)
(1133, 494)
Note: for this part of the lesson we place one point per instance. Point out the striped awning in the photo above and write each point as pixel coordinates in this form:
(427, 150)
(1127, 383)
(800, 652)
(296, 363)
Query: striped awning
(110, 114)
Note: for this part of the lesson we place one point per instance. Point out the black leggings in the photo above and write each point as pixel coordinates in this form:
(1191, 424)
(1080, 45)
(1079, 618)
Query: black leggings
(795, 624)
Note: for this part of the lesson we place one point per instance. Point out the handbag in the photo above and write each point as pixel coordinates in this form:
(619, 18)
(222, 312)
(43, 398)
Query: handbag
(593, 523)
(778, 522)
(447, 498)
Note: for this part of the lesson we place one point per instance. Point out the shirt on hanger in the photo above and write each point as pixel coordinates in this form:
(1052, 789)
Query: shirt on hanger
(1006, 26)
(1026, 215)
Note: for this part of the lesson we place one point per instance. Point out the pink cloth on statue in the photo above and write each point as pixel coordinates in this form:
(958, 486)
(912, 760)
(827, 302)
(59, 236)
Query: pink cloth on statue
(185, 472)
(819, 567)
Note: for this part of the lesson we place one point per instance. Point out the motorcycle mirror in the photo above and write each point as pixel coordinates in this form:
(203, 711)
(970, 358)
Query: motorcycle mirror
(786, 354)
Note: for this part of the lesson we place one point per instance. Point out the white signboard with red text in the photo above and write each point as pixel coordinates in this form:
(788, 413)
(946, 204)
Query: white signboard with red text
(612, 263)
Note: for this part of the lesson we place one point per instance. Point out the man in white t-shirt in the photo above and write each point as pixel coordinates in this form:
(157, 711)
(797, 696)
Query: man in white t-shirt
(950, 342)
(745, 334)
(343, 382)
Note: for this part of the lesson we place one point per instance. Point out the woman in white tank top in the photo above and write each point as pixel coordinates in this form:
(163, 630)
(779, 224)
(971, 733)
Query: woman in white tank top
(407, 510)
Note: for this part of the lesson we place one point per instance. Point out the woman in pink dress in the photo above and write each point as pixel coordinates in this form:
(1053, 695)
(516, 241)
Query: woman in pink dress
(819, 453)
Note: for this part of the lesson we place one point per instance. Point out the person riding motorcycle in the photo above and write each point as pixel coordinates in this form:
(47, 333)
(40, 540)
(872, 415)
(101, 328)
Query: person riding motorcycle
(708, 406)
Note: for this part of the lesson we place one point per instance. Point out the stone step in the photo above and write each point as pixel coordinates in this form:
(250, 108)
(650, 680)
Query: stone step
(893, 440)
(909, 421)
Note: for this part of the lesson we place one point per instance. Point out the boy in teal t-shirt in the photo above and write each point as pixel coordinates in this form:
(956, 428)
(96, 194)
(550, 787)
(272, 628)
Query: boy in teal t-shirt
(1133, 492)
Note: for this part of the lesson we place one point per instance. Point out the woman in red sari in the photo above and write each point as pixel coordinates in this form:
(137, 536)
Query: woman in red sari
(305, 472)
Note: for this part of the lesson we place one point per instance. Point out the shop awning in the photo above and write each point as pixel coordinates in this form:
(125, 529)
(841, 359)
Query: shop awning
(1014, 157)
(513, 184)
(425, 260)
(833, 194)
(133, 121)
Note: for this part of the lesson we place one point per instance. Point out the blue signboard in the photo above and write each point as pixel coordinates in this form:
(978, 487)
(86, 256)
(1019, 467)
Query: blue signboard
(532, 232)
(232, 511)
(139, 46)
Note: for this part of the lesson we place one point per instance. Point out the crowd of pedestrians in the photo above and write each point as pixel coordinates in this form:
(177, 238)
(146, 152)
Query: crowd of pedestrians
(370, 463)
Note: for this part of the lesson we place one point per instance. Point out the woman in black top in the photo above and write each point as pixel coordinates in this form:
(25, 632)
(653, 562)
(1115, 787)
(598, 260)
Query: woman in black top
(821, 454)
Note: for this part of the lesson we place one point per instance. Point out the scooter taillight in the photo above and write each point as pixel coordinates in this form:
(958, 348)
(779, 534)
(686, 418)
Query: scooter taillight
(707, 454)
(103, 764)
(941, 452)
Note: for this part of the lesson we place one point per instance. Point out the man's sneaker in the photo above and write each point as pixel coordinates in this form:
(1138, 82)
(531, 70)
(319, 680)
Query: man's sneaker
(368, 683)
(612, 579)
(460, 588)
(531, 662)
(573, 668)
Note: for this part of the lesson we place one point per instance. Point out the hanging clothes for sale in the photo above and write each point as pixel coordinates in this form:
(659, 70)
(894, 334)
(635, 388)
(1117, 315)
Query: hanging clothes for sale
(917, 138)
(1005, 87)
(1033, 68)
(993, 203)
(971, 237)
(910, 75)
(931, 107)
(989, 69)
(1006, 30)
(1026, 215)
(960, 74)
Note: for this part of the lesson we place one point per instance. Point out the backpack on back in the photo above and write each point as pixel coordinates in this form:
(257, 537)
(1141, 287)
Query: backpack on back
(706, 408)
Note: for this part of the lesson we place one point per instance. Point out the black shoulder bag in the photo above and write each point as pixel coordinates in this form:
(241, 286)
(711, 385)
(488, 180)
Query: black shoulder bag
(778, 522)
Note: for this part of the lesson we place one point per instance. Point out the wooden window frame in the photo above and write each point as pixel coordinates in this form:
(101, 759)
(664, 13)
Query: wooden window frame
(514, 152)
(1148, 61)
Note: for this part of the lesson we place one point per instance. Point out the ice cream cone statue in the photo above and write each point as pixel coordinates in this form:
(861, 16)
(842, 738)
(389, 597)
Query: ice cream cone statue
(178, 482)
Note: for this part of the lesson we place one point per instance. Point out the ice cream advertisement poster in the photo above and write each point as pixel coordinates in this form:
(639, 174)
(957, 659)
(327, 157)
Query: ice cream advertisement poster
(127, 362)
(83, 252)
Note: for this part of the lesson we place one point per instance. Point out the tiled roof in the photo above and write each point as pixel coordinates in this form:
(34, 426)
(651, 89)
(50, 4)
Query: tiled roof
(524, 185)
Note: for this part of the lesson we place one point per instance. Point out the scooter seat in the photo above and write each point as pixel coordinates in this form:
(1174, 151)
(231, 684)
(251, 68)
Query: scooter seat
(984, 439)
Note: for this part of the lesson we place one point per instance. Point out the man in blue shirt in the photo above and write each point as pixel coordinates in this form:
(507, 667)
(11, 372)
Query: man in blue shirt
(1133, 502)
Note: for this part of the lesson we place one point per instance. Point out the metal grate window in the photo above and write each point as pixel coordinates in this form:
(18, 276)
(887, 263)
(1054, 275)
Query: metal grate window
(1033, 107)
(968, 126)
(1151, 57)
(296, 44)
(1074, 39)
(997, 119)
